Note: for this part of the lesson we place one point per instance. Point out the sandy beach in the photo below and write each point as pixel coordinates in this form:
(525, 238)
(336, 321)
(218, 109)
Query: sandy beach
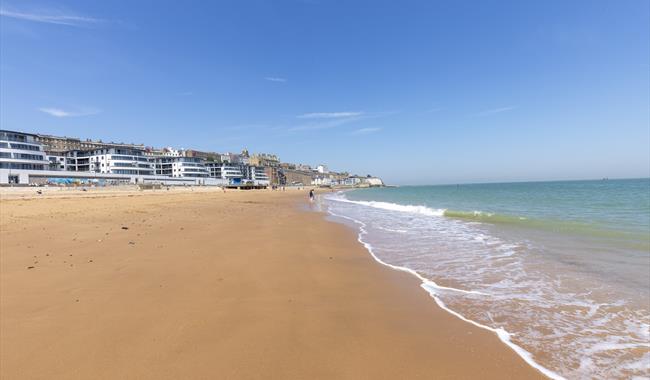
(200, 284)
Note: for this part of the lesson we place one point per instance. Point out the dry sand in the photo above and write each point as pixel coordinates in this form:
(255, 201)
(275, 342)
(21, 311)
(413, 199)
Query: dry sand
(206, 285)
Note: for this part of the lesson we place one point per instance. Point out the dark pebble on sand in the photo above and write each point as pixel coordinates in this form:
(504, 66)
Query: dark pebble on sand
(30, 267)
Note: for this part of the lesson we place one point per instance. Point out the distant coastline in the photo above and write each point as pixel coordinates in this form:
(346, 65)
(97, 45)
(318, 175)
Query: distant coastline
(36, 159)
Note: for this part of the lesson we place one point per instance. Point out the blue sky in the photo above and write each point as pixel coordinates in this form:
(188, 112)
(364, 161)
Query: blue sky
(414, 91)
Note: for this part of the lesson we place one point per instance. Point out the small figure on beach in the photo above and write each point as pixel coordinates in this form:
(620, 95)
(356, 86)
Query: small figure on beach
(311, 195)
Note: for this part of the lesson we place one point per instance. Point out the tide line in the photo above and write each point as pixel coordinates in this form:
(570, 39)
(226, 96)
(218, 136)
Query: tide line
(431, 287)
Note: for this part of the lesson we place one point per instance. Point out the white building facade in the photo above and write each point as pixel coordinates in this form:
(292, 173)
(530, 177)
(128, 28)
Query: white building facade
(188, 167)
(176, 163)
(20, 151)
(226, 171)
(322, 169)
(114, 161)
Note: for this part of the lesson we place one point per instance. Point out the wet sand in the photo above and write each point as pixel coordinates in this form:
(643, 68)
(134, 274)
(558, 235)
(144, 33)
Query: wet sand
(204, 285)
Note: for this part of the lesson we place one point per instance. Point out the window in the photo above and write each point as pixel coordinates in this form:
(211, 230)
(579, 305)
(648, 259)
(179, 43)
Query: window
(14, 165)
(25, 156)
(13, 136)
(25, 147)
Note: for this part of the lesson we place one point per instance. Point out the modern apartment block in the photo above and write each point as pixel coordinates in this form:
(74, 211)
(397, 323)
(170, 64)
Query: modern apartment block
(20, 151)
(224, 170)
(27, 158)
(189, 167)
(57, 160)
(126, 161)
(118, 161)
(177, 163)
(257, 174)
(24, 159)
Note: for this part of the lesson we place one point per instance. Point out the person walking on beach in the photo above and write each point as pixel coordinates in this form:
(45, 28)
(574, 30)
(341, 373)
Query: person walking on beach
(311, 195)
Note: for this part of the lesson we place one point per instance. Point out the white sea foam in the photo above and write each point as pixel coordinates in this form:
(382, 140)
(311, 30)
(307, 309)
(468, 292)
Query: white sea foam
(502, 285)
(432, 288)
(393, 230)
(423, 210)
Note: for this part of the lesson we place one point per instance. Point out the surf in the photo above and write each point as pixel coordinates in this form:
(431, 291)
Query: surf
(555, 297)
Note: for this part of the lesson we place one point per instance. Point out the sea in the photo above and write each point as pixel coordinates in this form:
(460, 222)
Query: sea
(559, 271)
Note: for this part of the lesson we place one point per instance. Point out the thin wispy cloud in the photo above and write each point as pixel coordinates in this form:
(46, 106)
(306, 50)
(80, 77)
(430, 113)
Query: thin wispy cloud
(327, 124)
(329, 115)
(276, 79)
(58, 112)
(365, 131)
(50, 16)
(496, 110)
(326, 120)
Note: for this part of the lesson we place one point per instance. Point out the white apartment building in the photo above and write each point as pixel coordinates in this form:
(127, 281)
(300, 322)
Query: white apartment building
(110, 161)
(175, 163)
(57, 160)
(20, 151)
(258, 174)
(236, 174)
(24, 161)
(188, 167)
(225, 170)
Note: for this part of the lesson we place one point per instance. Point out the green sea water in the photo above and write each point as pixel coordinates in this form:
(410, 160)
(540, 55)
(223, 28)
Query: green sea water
(618, 210)
(562, 267)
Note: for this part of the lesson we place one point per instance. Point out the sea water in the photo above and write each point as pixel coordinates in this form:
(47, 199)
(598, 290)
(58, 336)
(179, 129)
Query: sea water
(560, 271)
